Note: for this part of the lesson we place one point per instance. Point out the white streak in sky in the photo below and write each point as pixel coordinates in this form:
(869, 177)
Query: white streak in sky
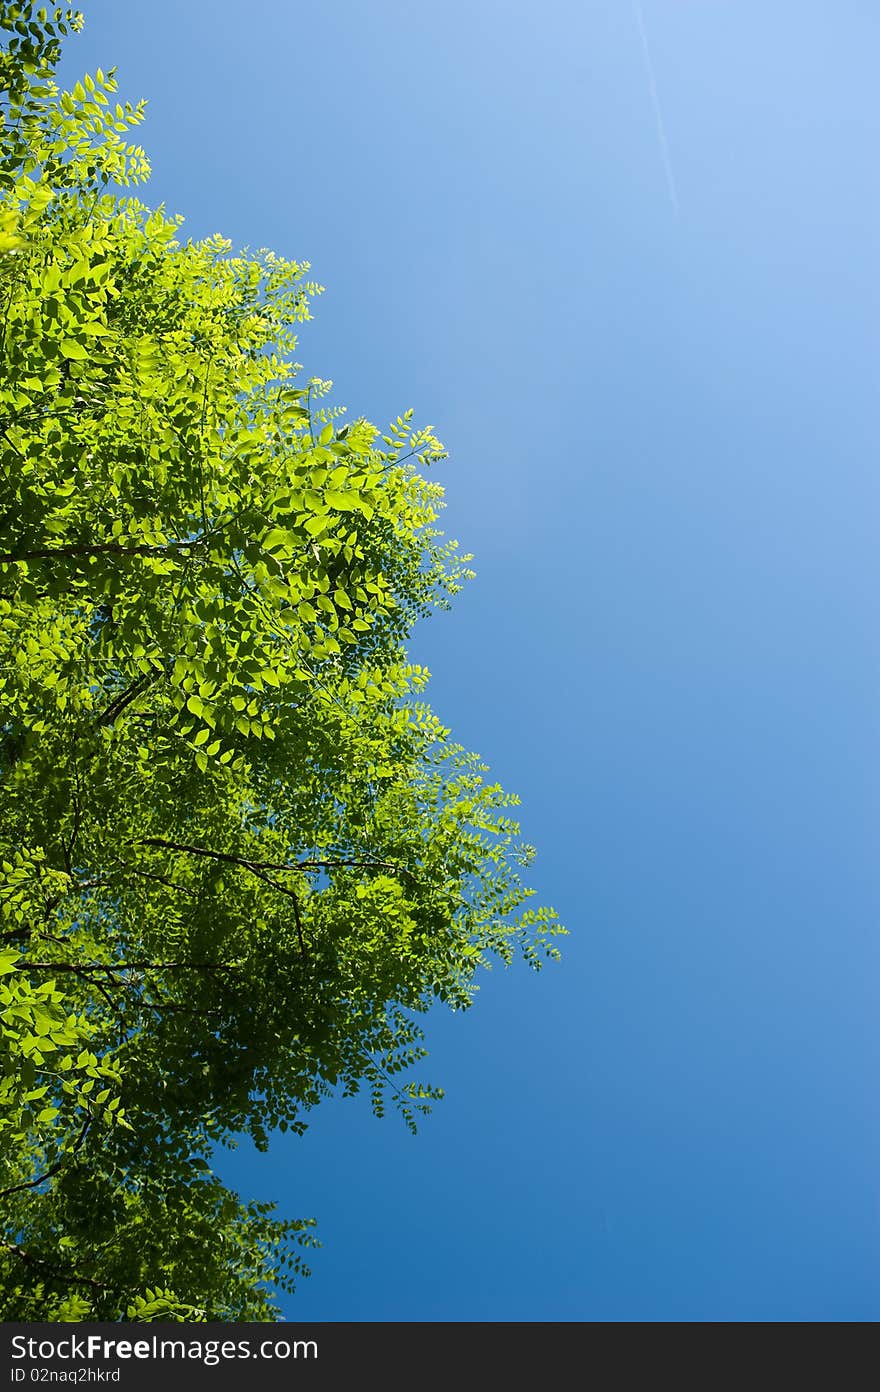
(661, 130)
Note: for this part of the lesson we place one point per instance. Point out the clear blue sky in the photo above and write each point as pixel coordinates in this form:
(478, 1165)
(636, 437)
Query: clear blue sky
(650, 342)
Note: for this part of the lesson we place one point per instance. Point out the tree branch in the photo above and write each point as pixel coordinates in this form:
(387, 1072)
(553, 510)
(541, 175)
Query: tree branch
(53, 1169)
(125, 698)
(61, 1277)
(162, 879)
(26, 965)
(111, 548)
(355, 864)
(271, 864)
(257, 868)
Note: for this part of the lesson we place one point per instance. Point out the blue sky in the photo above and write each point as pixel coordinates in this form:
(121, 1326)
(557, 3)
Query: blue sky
(658, 384)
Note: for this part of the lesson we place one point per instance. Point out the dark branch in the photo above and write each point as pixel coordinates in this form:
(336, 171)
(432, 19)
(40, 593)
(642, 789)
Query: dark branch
(125, 698)
(211, 855)
(61, 1277)
(271, 864)
(53, 1169)
(257, 868)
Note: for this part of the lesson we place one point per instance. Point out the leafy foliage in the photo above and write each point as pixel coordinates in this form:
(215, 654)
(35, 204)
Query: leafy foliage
(240, 854)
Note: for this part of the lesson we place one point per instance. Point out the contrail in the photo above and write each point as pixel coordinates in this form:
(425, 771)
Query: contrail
(661, 130)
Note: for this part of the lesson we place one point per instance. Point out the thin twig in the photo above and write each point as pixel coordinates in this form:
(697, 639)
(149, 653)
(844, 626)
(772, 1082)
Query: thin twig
(269, 864)
(25, 965)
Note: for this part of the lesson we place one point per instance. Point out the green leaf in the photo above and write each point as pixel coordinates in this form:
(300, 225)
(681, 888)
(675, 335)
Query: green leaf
(342, 502)
(73, 350)
(280, 539)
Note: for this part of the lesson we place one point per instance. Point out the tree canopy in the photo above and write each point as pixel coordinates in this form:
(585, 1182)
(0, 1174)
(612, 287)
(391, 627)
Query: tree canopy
(241, 857)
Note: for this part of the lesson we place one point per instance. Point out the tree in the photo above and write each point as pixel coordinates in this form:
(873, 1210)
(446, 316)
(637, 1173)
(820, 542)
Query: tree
(240, 854)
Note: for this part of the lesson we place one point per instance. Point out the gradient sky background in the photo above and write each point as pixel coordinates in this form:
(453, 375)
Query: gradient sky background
(658, 382)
